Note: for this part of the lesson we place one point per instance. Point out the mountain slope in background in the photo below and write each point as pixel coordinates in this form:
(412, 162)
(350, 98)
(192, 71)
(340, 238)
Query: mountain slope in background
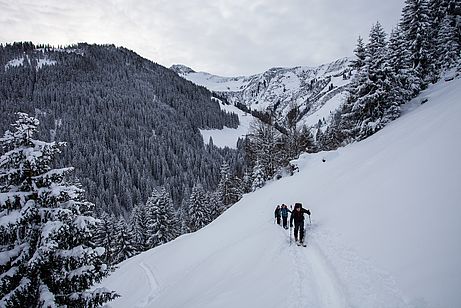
(317, 91)
(384, 233)
(130, 124)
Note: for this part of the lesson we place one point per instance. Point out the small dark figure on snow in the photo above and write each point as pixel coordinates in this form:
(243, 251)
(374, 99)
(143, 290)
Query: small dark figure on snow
(277, 214)
(297, 215)
(284, 211)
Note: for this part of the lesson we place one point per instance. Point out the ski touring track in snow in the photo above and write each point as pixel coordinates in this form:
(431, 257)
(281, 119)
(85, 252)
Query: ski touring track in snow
(153, 284)
(314, 279)
(327, 275)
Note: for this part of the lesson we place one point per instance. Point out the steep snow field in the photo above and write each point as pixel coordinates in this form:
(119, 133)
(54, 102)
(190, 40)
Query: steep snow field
(385, 230)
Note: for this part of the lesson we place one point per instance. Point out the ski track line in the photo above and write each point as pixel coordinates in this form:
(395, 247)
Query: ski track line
(304, 291)
(328, 286)
(153, 284)
(313, 271)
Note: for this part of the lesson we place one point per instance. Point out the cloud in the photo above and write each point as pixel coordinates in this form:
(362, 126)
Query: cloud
(220, 36)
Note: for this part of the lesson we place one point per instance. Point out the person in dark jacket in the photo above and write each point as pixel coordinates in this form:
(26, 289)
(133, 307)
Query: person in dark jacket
(284, 211)
(297, 215)
(277, 214)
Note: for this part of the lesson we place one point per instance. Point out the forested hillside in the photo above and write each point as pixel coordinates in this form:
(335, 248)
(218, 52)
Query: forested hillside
(130, 124)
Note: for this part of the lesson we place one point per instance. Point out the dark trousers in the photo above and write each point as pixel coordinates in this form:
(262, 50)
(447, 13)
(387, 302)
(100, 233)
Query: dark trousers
(285, 221)
(299, 227)
(278, 219)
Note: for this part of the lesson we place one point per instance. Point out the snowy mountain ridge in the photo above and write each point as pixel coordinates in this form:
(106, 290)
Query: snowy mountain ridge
(279, 89)
(384, 233)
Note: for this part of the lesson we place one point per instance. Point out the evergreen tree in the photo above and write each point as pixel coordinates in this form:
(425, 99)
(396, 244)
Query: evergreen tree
(399, 69)
(182, 216)
(306, 141)
(225, 185)
(105, 236)
(368, 107)
(319, 137)
(247, 182)
(124, 242)
(198, 214)
(359, 52)
(139, 224)
(265, 141)
(447, 43)
(415, 25)
(258, 177)
(292, 144)
(236, 190)
(45, 230)
(163, 225)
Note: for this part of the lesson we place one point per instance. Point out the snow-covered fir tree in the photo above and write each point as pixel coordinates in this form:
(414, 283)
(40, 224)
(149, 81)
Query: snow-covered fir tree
(162, 223)
(225, 185)
(258, 177)
(306, 141)
(415, 25)
(447, 44)
(105, 236)
(403, 81)
(124, 242)
(182, 215)
(236, 190)
(139, 224)
(359, 61)
(247, 181)
(265, 142)
(215, 205)
(198, 215)
(368, 107)
(46, 259)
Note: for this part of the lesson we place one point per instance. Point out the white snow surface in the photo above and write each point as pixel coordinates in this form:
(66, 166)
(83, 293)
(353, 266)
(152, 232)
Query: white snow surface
(385, 230)
(20, 62)
(14, 63)
(227, 137)
(43, 62)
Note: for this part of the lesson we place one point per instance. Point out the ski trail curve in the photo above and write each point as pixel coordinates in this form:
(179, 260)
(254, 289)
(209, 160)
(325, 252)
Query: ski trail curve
(152, 282)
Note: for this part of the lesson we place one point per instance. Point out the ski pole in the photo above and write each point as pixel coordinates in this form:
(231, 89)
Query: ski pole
(304, 234)
(290, 235)
(310, 222)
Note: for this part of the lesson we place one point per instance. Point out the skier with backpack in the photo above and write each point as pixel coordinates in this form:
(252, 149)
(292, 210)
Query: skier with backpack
(284, 211)
(277, 214)
(297, 216)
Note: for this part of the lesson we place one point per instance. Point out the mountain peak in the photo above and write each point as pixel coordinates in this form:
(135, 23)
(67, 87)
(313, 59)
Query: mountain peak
(181, 69)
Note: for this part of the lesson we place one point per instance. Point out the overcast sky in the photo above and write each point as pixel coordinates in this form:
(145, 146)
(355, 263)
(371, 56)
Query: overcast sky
(225, 37)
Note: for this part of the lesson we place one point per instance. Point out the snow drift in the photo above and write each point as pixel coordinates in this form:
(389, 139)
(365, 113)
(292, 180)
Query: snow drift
(385, 229)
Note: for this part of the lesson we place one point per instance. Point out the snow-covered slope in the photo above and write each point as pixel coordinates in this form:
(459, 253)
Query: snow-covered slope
(385, 230)
(278, 88)
(228, 137)
(317, 91)
(38, 63)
